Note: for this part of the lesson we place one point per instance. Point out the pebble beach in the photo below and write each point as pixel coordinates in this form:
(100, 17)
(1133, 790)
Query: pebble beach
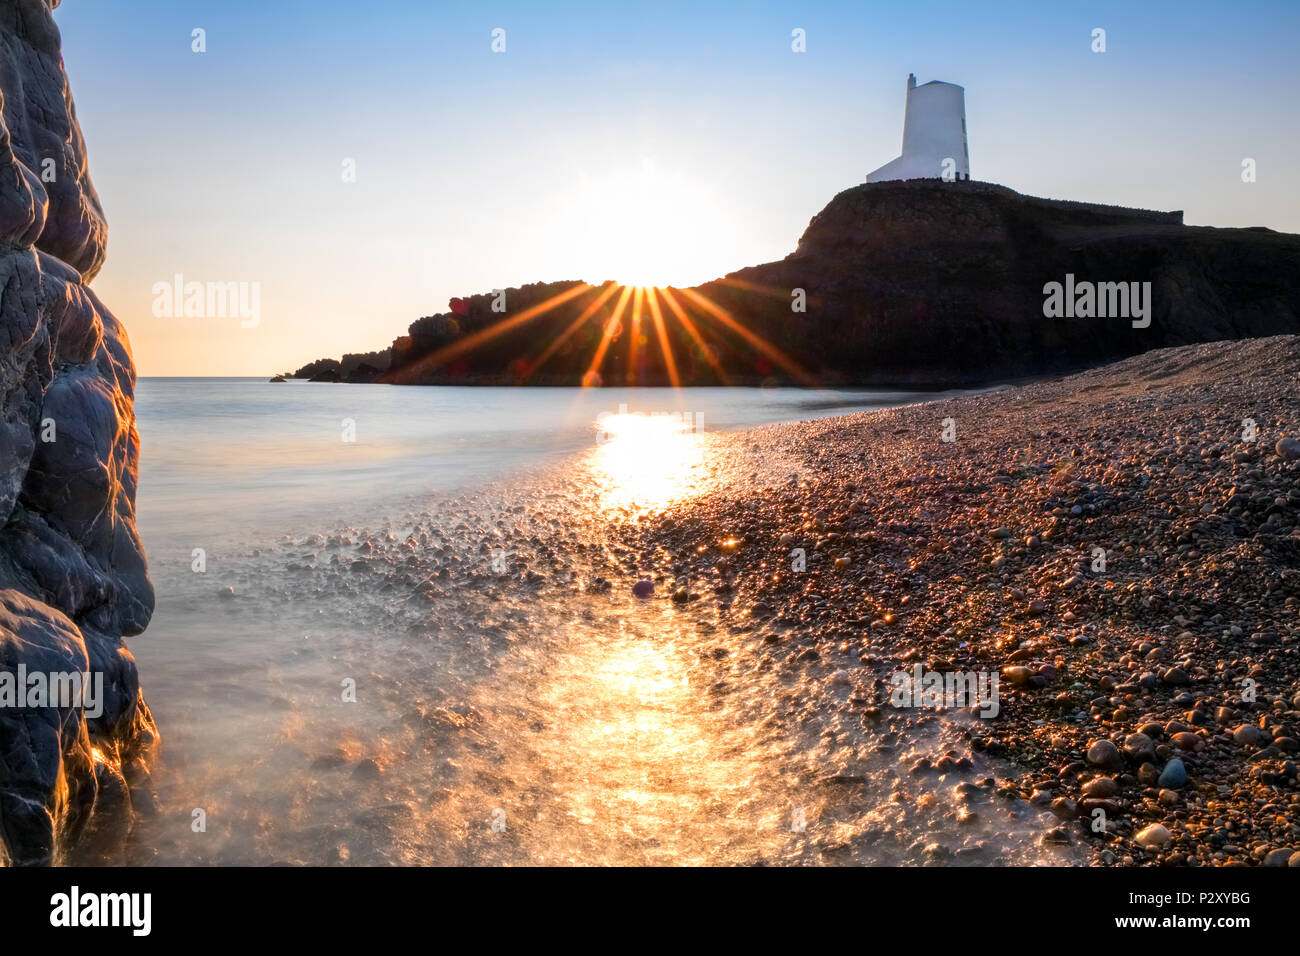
(1119, 546)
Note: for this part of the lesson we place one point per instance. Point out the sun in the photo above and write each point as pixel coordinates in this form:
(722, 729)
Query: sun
(644, 226)
(648, 239)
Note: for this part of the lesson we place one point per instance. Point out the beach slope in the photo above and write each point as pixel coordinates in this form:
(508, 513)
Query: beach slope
(1121, 547)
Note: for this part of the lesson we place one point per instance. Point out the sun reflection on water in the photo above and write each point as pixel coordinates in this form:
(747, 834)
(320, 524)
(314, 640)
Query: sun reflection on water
(652, 772)
(645, 463)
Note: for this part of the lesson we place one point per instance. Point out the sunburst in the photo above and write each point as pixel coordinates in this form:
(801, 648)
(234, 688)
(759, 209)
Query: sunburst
(695, 313)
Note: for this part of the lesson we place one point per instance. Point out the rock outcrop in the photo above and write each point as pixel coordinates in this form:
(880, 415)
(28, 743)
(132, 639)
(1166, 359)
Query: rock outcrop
(927, 282)
(916, 283)
(73, 578)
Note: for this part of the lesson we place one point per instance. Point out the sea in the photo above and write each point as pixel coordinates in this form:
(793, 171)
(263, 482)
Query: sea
(388, 633)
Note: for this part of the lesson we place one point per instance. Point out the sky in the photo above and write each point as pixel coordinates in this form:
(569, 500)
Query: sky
(661, 143)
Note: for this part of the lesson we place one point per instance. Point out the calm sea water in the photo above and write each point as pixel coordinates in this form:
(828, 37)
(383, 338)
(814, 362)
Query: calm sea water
(234, 457)
(382, 637)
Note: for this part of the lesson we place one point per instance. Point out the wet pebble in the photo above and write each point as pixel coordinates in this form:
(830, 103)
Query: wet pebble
(1101, 787)
(1174, 775)
(1103, 753)
(1288, 448)
(1154, 835)
(1140, 748)
(1280, 857)
(1248, 734)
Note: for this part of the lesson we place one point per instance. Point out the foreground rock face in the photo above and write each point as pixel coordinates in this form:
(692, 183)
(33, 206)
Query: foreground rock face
(919, 283)
(73, 578)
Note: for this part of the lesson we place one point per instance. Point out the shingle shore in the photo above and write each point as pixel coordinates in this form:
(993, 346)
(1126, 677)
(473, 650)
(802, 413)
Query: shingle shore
(1159, 686)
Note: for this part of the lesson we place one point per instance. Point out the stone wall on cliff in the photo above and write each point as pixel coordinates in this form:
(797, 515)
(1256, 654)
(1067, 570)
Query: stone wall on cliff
(73, 578)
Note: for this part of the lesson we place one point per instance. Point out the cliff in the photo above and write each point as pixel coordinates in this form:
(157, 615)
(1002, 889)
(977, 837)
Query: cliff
(920, 283)
(943, 283)
(73, 579)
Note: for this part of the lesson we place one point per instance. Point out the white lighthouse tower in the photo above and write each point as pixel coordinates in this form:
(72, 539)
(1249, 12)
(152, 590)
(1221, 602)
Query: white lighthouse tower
(934, 135)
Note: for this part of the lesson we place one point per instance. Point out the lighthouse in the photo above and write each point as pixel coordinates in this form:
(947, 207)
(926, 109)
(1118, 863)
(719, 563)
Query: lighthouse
(934, 135)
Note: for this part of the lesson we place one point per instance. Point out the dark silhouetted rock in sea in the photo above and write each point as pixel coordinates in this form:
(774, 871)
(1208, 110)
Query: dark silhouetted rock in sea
(920, 283)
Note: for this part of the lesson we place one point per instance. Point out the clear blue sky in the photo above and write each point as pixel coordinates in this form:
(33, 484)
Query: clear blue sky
(683, 138)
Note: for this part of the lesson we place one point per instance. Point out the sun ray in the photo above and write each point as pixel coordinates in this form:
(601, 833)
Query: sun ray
(638, 301)
(607, 336)
(767, 350)
(747, 286)
(587, 313)
(705, 349)
(664, 347)
(458, 348)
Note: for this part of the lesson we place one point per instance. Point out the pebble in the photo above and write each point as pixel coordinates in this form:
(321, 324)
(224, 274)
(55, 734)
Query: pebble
(1280, 856)
(1140, 748)
(1154, 835)
(1101, 787)
(1248, 734)
(1018, 675)
(1174, 775)
(1064, 808)
(643, 588)
(1288, 448)
(1103, 753)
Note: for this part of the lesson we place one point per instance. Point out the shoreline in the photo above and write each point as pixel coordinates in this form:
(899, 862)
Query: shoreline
(824, 381)
(979, 555)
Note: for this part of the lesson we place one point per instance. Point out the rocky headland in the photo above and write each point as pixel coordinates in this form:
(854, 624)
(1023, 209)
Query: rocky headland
(920, 283)
(73, 578)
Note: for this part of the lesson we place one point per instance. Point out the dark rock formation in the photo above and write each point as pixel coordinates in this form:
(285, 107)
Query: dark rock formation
(355, 367)
(377, 361)
(943, 283)
(907, 283)
(73, 578)
(313, 369)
